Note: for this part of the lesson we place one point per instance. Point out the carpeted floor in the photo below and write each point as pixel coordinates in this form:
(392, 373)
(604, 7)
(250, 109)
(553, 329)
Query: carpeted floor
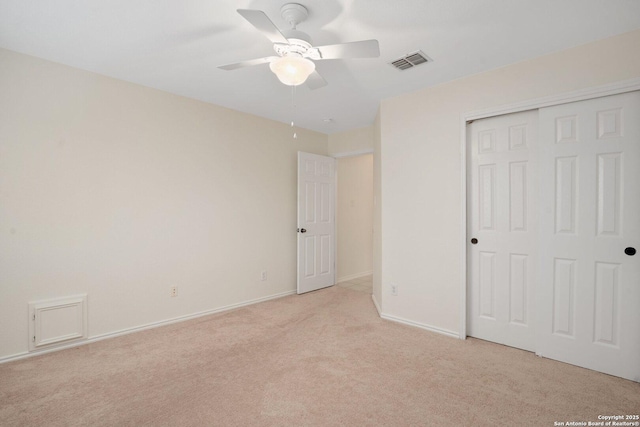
(322, 359)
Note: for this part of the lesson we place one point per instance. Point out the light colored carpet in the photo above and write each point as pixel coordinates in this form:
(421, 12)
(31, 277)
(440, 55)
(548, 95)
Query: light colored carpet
(323, 358)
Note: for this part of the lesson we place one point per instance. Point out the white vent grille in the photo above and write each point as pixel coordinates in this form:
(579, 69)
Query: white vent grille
(57, 321)
(410, 60)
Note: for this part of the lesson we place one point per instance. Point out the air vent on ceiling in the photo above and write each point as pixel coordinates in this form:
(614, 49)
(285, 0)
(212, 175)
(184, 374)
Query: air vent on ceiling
(410, 60)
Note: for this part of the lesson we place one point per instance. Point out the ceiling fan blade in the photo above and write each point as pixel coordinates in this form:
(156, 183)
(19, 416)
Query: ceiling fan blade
(248, 63)
(315, 81)
(361, 49)
(261, 21)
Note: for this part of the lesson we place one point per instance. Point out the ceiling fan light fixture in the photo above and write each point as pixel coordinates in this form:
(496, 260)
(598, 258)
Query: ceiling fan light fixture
(292, 70)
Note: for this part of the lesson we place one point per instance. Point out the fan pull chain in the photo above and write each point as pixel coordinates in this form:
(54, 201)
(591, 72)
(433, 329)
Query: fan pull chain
(293, 110)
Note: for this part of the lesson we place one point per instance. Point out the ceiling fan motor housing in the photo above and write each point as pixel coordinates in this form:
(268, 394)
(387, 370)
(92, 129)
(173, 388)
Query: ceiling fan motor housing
(300, 44)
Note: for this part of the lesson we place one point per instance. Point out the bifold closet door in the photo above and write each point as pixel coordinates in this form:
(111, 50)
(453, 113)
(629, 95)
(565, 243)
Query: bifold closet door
(588, 293)
(502, 228)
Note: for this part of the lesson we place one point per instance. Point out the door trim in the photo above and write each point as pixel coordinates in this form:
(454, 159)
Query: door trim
(352, 153)
(533, 104)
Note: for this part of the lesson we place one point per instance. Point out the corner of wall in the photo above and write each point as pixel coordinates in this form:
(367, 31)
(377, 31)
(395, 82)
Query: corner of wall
(377, 212)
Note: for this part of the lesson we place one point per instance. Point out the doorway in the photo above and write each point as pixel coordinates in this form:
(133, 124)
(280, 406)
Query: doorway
(354, 203)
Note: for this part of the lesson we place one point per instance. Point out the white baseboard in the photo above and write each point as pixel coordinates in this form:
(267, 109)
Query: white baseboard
(421, 325)
(354, 276)
(375, 302)
(152, 325)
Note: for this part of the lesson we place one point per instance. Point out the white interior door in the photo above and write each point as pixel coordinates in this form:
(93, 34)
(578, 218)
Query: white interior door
(316, 221)
(502, 225)
(589, 288)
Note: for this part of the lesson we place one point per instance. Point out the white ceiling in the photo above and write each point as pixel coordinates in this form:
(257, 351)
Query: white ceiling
(176, 45)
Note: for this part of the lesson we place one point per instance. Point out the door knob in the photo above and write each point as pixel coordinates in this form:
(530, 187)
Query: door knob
(474, 241)
(302, 230)
(630, 251)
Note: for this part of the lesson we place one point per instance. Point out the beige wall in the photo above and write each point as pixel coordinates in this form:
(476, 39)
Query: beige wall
(421, 196)
(353, 142)
(355, 216)
(377, 219)
(120, 192)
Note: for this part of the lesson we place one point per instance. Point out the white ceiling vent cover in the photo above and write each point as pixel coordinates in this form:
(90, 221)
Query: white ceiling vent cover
(411, 60)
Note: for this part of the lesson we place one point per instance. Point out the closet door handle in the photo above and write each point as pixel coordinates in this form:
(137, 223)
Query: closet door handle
(630, 251)
(474, 241)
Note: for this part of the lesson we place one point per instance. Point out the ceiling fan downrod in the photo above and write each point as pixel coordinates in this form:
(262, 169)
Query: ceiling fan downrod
(294, 14)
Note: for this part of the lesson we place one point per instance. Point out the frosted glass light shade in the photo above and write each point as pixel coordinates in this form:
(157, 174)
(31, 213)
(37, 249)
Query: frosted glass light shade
(292, 70)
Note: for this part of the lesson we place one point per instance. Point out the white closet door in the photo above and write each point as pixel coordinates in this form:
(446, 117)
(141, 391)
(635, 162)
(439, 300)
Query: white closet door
(589, 288)
(501, 216)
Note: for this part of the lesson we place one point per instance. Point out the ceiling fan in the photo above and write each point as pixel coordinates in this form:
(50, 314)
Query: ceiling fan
(294, 64)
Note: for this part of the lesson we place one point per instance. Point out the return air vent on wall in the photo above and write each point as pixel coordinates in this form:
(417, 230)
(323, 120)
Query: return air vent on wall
(410, 60)
(57, 321)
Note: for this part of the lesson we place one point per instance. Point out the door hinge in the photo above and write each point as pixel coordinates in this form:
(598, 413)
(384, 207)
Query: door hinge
(34, 338)
(34, 317)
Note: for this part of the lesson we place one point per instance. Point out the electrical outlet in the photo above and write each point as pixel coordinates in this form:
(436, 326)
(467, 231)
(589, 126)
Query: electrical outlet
(263, 275)
(394, 289)
(174, 291)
